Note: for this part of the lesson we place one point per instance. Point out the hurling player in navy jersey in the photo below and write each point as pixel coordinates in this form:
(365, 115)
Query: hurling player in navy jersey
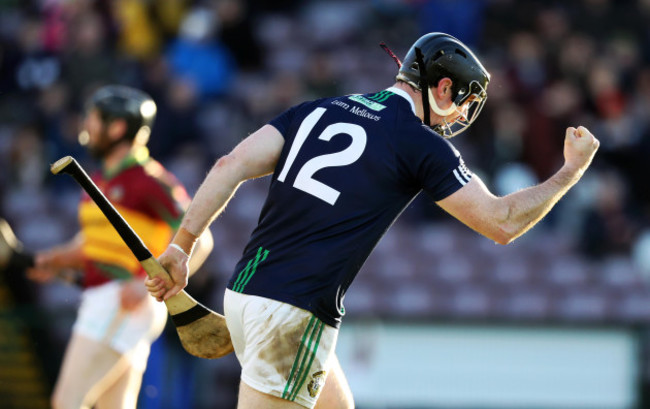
(343, 169)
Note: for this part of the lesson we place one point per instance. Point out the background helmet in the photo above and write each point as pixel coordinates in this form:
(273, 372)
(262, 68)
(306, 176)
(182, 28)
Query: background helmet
(446, 56)
(137, 108)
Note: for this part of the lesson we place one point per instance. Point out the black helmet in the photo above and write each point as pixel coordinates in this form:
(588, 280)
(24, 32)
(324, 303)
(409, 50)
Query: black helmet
(137, 108)
(445, 56)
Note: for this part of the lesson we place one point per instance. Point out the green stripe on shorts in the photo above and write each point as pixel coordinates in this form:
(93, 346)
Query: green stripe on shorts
(312, 355)
(304, 358)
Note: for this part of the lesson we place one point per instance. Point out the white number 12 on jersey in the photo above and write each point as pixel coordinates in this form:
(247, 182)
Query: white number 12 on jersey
(304, 180)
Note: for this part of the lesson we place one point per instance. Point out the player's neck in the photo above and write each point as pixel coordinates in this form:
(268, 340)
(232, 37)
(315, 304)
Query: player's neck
(116, 156)
(416, 96)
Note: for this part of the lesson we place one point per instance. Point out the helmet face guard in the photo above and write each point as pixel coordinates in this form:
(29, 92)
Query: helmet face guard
(435, 56)
(468, 107)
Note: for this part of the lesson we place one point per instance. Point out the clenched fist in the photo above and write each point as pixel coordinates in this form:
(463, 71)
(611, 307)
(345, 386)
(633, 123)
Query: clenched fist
(580, 146)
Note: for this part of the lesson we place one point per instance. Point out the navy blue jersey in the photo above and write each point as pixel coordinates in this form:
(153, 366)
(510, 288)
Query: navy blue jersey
(348, 168)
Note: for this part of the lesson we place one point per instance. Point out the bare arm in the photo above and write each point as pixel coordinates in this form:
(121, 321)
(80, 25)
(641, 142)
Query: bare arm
(53, 263)
(203, 249)
(67, 255)
(253, 157)
(503, 219)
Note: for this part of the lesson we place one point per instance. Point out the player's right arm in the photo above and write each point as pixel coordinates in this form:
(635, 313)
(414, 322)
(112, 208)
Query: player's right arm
(503, 219)
(49, 264)
(253, 157)
(202, 250)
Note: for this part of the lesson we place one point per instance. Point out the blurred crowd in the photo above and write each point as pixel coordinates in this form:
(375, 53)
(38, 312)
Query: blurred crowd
(219, 69)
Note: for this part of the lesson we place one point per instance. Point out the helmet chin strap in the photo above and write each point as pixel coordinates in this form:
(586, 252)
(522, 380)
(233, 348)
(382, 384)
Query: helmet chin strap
(441, 112)
(427, 97)
(424, 84)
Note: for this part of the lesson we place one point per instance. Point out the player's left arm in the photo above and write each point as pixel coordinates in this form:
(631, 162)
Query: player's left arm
(503, 219)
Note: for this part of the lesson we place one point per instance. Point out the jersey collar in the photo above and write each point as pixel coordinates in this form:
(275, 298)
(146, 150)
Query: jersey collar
(137, 156)
(404, 95)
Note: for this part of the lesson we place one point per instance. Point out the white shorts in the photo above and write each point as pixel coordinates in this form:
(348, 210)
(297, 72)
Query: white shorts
(283, 350)
(129, 332)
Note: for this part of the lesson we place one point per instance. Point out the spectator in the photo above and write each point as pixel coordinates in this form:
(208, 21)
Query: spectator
(610, 227)
(198, 57)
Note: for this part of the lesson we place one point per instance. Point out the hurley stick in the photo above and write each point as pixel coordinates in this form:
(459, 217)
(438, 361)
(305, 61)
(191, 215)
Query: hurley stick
(202, 331)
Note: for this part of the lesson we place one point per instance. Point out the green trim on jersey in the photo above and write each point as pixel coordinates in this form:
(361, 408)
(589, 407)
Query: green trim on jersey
(114, 272)
(137, 156)
(374, 103)
(381, 96)
(245, 275)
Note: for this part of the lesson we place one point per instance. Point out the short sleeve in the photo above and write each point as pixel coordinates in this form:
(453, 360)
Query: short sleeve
(283, 121)
(432, 163)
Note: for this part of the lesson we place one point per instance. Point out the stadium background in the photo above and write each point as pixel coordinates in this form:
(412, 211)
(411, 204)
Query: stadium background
(439, 317)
